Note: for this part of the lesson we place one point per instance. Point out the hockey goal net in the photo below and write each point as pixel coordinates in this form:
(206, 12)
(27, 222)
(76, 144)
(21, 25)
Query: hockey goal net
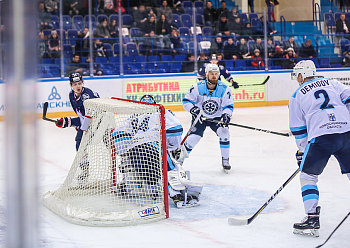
(118, 176)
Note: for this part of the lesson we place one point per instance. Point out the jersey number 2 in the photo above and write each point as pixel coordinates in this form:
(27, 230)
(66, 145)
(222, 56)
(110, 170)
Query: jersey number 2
(325, 104)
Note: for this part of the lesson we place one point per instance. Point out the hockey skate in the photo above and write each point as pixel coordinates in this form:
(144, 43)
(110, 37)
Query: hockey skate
(309, 225)
(226, 165)
(191, 201)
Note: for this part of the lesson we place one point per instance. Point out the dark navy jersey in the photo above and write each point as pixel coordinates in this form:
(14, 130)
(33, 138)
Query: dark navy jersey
(78, 104)
(223, 72)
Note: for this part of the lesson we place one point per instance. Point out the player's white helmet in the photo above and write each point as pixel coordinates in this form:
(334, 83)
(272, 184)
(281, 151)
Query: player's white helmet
(307, 68)
(212, 67)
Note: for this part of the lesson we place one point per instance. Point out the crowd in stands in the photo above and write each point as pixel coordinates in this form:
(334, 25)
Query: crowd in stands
(155, 31)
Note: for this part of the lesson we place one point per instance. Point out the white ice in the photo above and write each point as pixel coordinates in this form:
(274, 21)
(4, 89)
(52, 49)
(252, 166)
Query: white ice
(261, 163)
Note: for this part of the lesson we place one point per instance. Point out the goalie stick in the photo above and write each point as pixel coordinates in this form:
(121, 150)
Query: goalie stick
(333, 231)
(265, 81)
(46, 105)
(253, 128)
(237, 222)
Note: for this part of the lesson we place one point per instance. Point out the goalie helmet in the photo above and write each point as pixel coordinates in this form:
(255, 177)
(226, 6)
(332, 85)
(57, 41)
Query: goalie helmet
(75, 77)
(212, 67)
(148, 99)
(307, 68)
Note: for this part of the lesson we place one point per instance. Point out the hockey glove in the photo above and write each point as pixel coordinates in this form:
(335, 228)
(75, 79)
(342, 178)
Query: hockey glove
(299, 157)
(195, 112)
(235, 85)
(64, 122)
(225, 120)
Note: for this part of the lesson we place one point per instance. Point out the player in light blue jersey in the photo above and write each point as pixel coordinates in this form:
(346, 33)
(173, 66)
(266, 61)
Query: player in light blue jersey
(320, 121)
(215, 98)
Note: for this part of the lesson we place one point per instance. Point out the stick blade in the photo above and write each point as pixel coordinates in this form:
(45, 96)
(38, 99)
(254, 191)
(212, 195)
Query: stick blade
(267, 79)
(237, 222)
(46, 105)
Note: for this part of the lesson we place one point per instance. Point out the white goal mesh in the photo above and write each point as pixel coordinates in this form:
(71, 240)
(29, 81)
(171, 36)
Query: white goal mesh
(118, 176)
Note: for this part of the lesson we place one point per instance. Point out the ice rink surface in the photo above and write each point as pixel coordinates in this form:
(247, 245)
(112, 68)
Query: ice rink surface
(261, 163)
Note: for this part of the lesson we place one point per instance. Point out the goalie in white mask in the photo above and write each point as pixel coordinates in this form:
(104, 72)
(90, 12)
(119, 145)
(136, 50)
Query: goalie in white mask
(320, 121)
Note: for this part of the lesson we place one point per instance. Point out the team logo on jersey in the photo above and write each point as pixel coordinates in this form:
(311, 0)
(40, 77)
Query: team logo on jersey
(54, 94)
(331, 117)
(85, 96)
(210, 107)
(149, 211)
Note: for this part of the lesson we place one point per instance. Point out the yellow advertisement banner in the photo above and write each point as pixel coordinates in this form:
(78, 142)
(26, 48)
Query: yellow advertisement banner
(171, 92)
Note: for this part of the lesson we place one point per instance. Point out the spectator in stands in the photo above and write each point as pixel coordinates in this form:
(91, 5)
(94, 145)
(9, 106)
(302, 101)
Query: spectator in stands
(75, 66)
(42, 48)
(220, 58)
(258, 45)
(164, 9)
(162, 26)
(217, 45)
(342, 26)
(54, 46)
(278, 56)
(99, 49)
(51, 6)
(97, 71)
(175, 42)
(102, 30)
(151, 12)
(178, 9)
(149, 25)
(257, 60)
(247, 31)
(290, 59)
(235, 27)
(307, 50)
(44, 18)
(222, 9)
(210, 14)
(188, 63)
(243, 48)
(150, 44)
(222, 25)
(113, 30)
(118, 5)
(270, 47)
(109, 7)
(73, 7)
(231, 50)
(290, 43)
(140, 16)
(347, 58)
(259, 29)
(251, 5)
(233, 14)
(99, 6)
(202, 59)
(82, 44)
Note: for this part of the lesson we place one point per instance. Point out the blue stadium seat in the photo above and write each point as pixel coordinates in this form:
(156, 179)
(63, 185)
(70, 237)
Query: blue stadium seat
(277, 43)
(114, 60)
(185, 35)
(199, 5)
(175, 67)
(187, 5)
(72, 36)
(253, 22)
(135, 34)
(244, 18)
(67, 51)
(176, 21)
(47, 61)
(58, 61)
(207, 33)
(54, 71)
(330, 22)
(191, 48)
(67, 22)
(142, 50)
(253, 16)
(229, 65)
(114, 17)
(336, 65)
(199, 20)
(142, 60)
(55, 22)
(325, 63)
(186, 20)
(64, 34)
(78, 22)
(128, 59)
(250, 45)
(101, 60)
(116, 50)
(47, 32)
(347, 16)
(93, 21)
(153, 58)
(179, 57)
(337, 15)
(127, 20)
(101, 17)
(183, 48)
(109, 51)
(167, 58)
(163, 66)
(344, 44)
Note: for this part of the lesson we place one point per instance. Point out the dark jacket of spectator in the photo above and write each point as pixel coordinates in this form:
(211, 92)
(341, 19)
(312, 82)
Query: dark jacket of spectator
(161, 26)
(259, 29)
(44, 16)
(178, 9)
(139, 16)
(230, 51)
(259, 46)
(306, 51)
(235, 27)
(188, 64)
(102, 31)
(290, 59)
(243, 49)
(291, 44)
(149, 26)
(247, 31)
(76, 9)
(216, 46)
(339, 26)
(113, 29)
(210, 15)
(270, 48)
(221, 10)
(82, 44)
(233, 14)
(278, 57)
(167, 12)
(221, 27)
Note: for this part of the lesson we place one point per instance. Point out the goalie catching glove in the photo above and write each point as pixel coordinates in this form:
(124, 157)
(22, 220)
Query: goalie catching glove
(64, 122)
(299, 157)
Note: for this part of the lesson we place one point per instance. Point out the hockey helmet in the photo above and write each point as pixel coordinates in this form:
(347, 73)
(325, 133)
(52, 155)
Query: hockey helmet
(307, 68)
(148, 99)
(212, 67)
(75, 77)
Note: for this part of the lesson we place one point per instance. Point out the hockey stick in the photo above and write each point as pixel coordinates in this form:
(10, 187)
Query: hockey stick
(253, 128)
(192, 126)
(237, 222)
(46, 105)
(265, 81)
(334, 231)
